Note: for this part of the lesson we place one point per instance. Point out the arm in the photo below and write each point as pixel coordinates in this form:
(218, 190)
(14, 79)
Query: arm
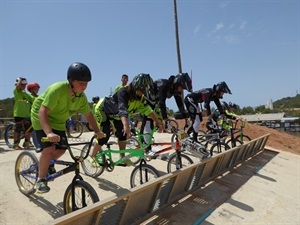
(157, 122)
(91, 119)
(43, 116)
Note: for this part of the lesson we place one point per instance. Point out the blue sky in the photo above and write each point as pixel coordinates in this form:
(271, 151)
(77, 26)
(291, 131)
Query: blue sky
(253, 45)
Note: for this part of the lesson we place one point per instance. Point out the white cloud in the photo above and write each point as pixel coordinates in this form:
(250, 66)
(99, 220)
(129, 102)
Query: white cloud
(243, 25)
(196, 29)
(219, 26)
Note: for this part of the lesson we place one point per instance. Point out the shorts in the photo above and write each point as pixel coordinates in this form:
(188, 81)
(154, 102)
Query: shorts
(62, 144)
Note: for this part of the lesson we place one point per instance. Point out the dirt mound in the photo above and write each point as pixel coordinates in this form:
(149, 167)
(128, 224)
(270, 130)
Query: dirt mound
(278, 139)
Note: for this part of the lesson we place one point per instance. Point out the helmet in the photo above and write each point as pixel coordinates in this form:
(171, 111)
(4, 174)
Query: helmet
(32, 85)
(232, 105)
(22, 79)
(222, 87)
(144, 83)
(225, 105)
(95, 99)
(79, 71)
(184, 80)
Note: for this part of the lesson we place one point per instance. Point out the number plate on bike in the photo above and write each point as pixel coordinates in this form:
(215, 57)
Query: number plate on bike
(181, 135)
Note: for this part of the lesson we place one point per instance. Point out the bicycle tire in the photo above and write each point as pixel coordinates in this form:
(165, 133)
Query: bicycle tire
(144, 175)
(232, 144)
(173, 139)
(75, 133)
(25, 162)
(88, 126)
(172, 126)
(245, 138)
(87, 167)
(219, 147)
(85, 195)
(133, 143)
(34, 140)
(9, 135)
(174, 163)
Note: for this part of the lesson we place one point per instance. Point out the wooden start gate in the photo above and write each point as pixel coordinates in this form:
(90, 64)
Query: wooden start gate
(140, 202)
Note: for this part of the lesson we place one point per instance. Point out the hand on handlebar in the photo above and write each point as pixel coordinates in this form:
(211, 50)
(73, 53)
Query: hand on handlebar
(100, 135)
(51, 137)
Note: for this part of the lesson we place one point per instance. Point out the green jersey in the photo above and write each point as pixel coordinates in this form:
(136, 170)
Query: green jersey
(57, 99)
(22, 103)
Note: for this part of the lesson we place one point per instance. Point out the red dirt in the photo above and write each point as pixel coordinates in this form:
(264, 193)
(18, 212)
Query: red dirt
(278, 139)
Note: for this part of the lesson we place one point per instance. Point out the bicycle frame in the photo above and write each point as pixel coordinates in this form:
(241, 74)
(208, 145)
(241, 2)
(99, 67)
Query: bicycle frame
(108, 153)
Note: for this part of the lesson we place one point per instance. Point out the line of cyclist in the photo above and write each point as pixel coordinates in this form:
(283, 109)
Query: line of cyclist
(60, 100)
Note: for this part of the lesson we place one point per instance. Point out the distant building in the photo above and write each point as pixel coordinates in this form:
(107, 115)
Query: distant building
(269, 104)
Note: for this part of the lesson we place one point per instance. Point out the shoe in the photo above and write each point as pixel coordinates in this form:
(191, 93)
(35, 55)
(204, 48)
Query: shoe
(17, 147)
(51, 169)
(93, 162)
(41, 186)
(26, 145)
(151, 154)
(128, 162)
(31, 145)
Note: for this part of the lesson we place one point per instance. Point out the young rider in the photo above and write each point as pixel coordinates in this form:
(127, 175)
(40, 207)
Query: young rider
(122, 104)
(22, 105)
(205, 96)
(51, 110)
(163, 89)
(33, 88)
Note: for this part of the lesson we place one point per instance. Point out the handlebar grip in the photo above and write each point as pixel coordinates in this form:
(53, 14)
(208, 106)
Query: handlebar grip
(46, 139)
(96, 136)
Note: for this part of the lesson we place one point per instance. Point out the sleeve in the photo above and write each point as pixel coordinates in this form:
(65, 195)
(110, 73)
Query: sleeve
(230, 115)
(179, 103)
(219, 106)
(123, 100)
(162, 101)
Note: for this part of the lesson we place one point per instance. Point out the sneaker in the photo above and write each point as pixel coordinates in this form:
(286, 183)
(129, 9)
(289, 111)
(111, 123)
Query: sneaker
(51, 169)
(41, 186)
(26, 145)
(93, 162)
(151, 154)
(128, 162)
(17, 147)
(31, 145)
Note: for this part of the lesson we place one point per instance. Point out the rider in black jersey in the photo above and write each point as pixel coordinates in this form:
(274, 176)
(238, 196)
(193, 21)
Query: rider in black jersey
(163, 90)
(205, 96)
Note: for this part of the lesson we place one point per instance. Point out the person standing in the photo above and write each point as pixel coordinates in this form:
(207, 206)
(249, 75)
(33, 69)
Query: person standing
(22, 106)
(124, 81)
(50, 111)
(205, 95)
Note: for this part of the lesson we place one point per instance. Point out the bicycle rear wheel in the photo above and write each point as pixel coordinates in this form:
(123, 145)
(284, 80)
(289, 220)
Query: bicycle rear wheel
(90, 165)
(171, 126)
(142, 174)
(26, 172)
(133, 143)
(176, 162)
(9, 135)
(74, 129)
(84, 195)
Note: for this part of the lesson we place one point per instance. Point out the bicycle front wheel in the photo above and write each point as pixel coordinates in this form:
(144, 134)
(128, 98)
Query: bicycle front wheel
(90, 165)
(218, 147)
(177, 162)
(75, 129)
(142, 174)
(9, 135)
(84, 195)
(26, 172)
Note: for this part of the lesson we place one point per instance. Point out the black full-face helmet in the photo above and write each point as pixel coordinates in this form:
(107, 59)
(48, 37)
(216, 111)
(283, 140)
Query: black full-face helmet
(95, 99)
(232, 105)
(222, 87)
(79, 71)
(183, 80)
(144, 83)
(224, 105)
